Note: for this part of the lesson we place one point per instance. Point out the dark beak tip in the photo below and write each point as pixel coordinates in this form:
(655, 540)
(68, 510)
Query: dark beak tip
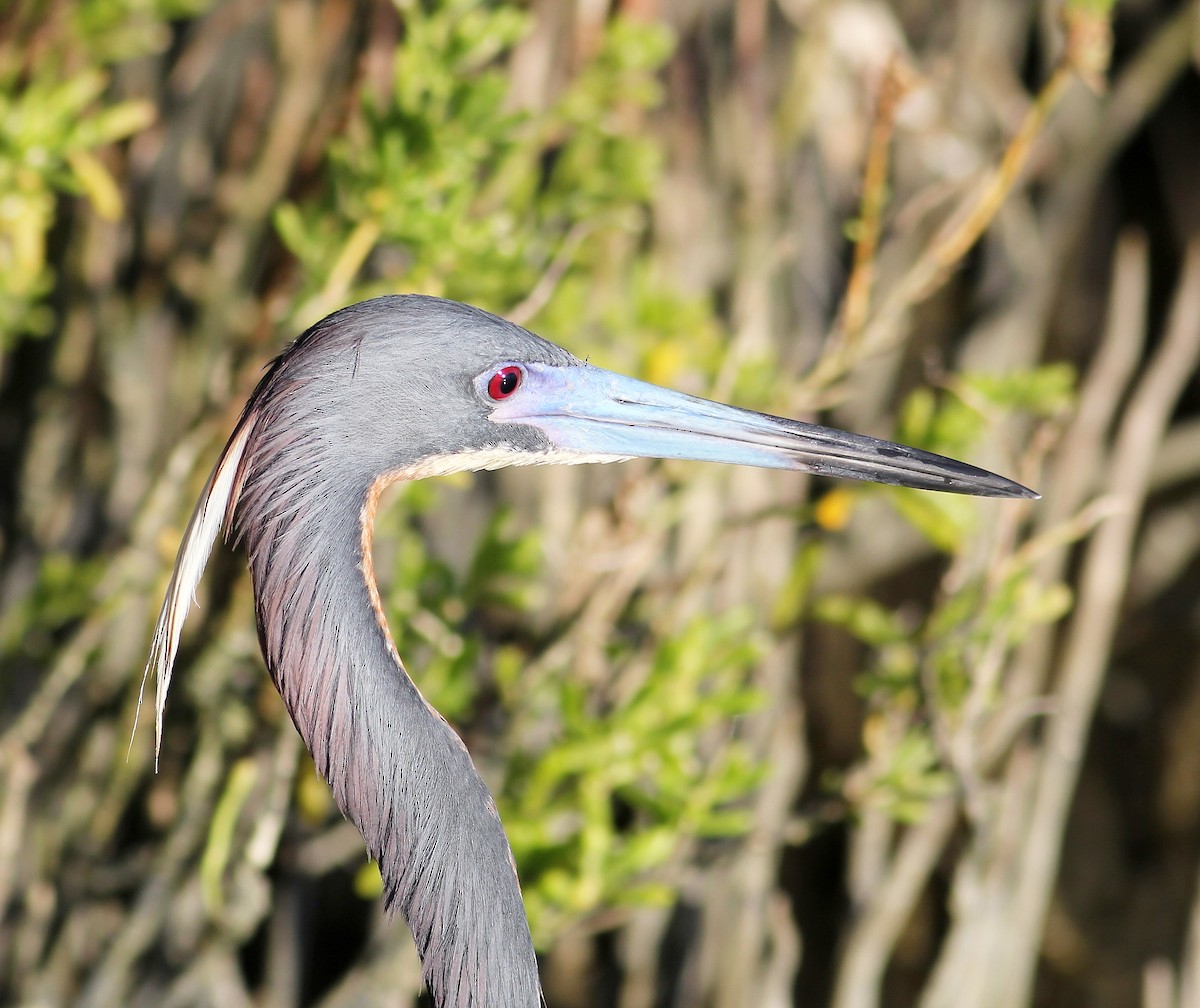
(1015, 491)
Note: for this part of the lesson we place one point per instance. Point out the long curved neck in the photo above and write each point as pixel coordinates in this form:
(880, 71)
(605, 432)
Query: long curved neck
(398, 771)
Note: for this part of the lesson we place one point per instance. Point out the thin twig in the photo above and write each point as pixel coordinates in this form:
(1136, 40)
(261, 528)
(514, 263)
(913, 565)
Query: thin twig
(954, 240)
(857, 302)
(544, 289)
(874, 935)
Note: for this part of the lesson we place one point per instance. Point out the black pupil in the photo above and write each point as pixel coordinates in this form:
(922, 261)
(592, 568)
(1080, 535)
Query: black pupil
(508, 382)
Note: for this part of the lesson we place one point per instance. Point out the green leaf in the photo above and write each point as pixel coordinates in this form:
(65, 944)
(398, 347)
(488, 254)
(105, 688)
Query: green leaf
(870, 622)
(1045, 391)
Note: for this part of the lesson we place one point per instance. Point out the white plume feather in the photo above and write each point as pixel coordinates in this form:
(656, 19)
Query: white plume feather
(214, 510)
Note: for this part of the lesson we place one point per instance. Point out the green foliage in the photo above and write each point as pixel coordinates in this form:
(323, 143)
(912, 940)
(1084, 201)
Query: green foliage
(907, 773)
(920, 676)
(56, 116)
(50, 131)
(953, 424)
(441, 186)
(434, 609)
(625, 785)
(922, 672)
(62, 592)
(1043, 392)
(1102, 8)
(222, 830)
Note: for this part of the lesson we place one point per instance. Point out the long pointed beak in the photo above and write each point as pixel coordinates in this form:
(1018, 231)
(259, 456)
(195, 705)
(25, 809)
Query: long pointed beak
(589, 410)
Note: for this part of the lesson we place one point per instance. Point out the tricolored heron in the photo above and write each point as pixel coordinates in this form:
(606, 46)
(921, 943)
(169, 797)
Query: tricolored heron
(405, 387)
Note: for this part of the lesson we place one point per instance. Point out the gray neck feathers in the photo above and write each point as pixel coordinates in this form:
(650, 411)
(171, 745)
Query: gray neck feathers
(397, 769)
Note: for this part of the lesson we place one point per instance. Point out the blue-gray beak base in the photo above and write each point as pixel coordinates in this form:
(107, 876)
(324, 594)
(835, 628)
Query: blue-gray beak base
(590, 411)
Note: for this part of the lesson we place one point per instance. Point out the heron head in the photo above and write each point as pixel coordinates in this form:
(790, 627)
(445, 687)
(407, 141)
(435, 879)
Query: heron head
(418, 386)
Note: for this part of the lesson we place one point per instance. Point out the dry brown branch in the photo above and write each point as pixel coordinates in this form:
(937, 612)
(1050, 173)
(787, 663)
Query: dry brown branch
(1079, 464)
(873, 935)
(1102, 585)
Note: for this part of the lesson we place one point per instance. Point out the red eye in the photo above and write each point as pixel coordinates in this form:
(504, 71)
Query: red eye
(505, 382)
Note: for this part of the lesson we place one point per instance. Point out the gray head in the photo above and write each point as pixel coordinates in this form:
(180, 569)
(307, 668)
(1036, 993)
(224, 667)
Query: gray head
(412, 385)
(399, 381)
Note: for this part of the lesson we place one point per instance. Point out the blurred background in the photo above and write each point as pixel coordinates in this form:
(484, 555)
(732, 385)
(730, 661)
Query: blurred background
(758, 740)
